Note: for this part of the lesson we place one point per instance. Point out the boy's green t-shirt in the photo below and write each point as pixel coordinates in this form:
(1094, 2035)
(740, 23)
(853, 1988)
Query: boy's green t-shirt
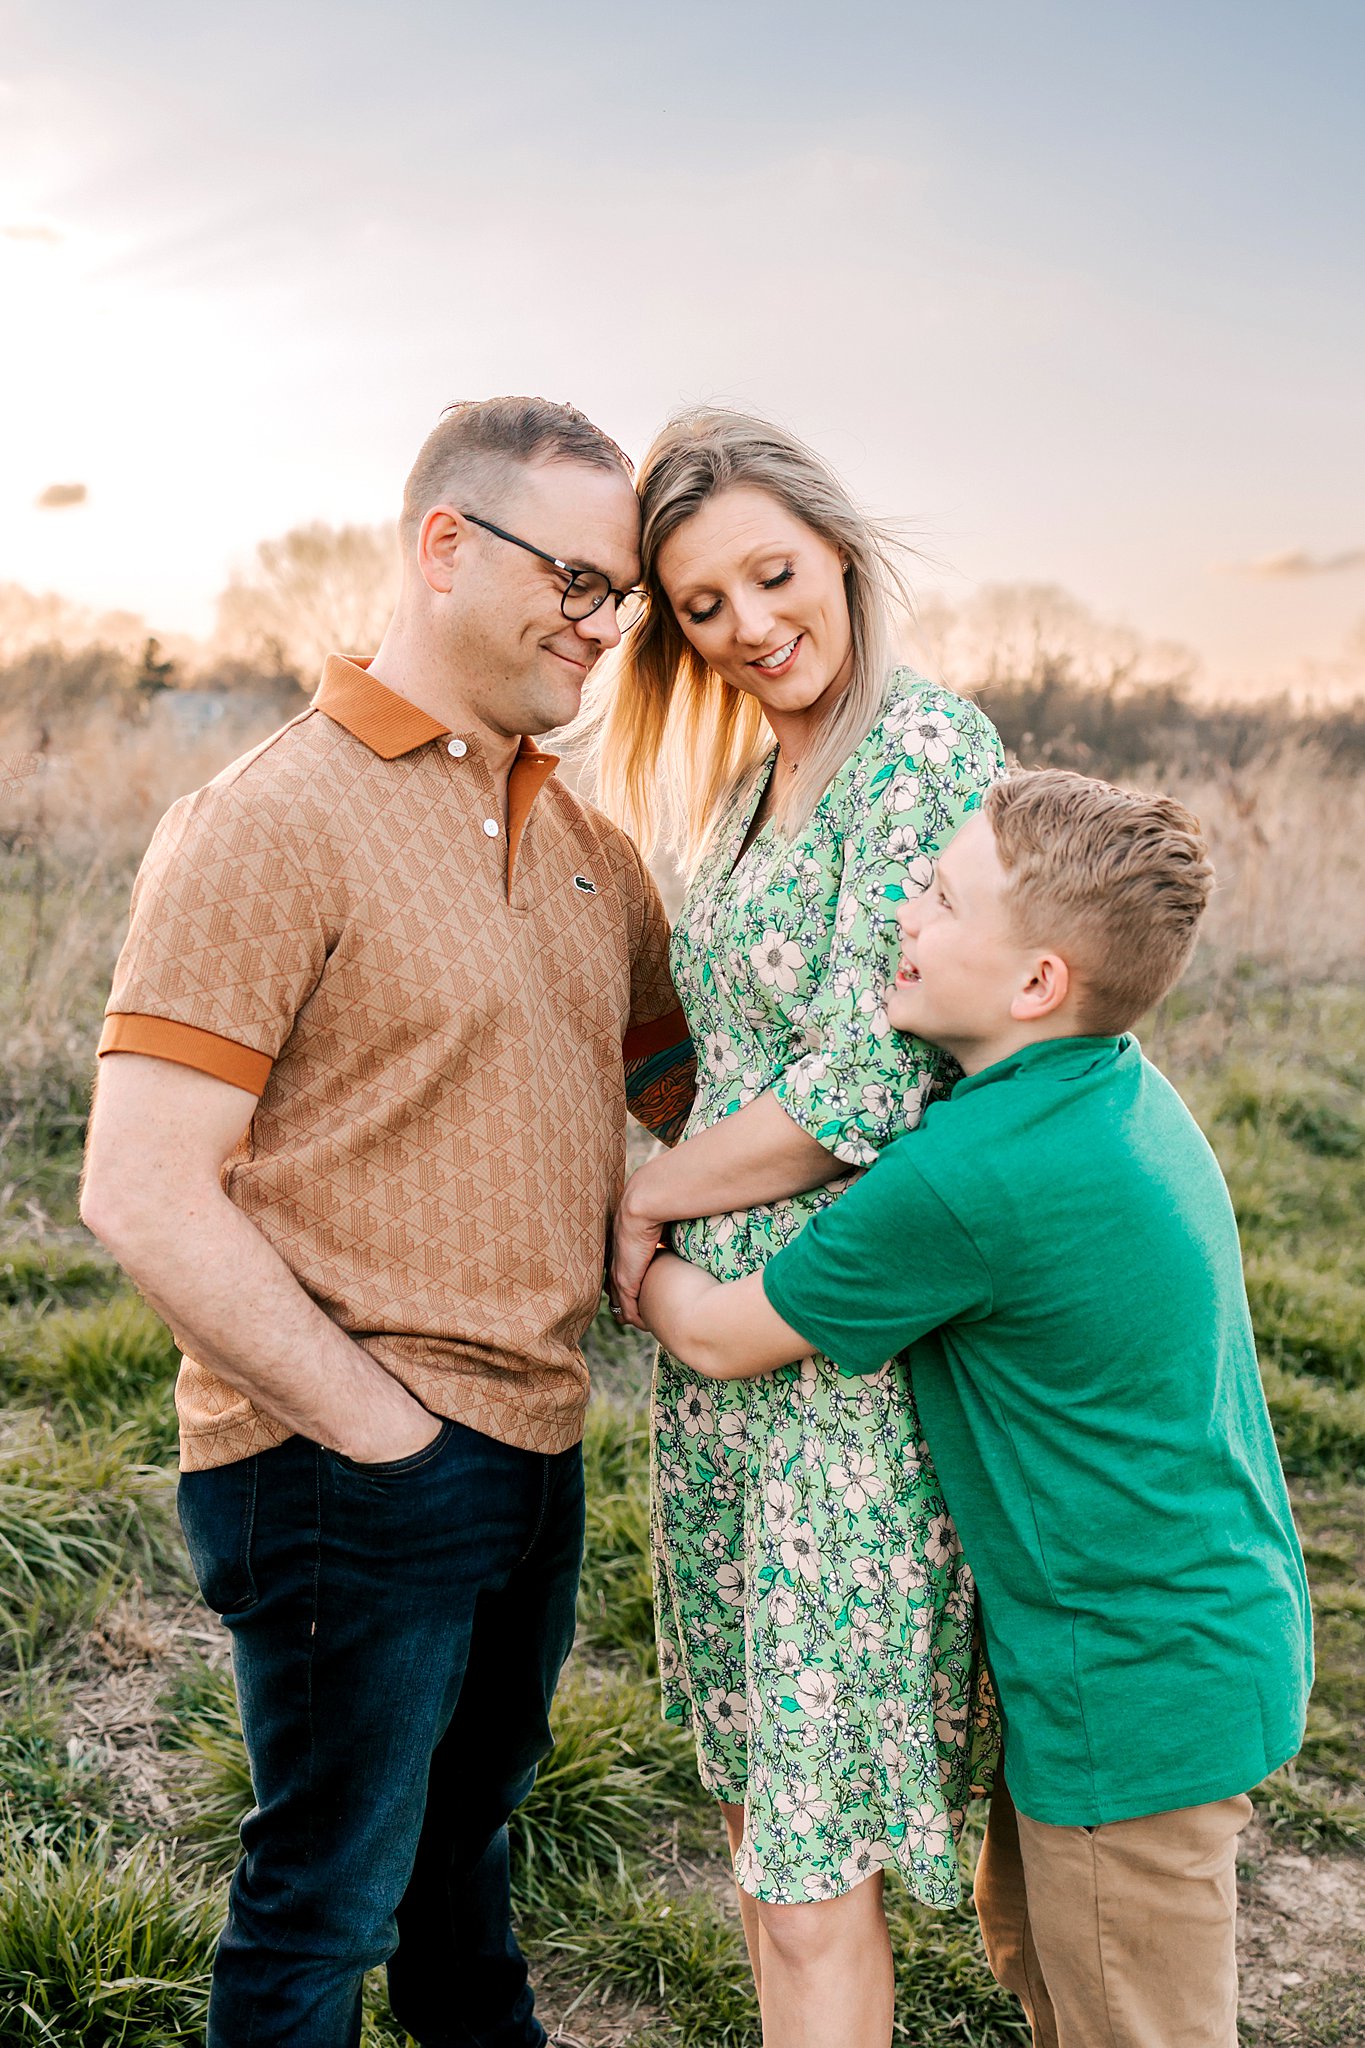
(1056, 1245)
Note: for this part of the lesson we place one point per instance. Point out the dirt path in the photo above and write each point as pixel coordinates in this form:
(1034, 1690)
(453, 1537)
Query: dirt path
(1302, 1947)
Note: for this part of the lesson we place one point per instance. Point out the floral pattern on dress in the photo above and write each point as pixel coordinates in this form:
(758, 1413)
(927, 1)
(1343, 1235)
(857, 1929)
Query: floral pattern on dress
(816, 1617)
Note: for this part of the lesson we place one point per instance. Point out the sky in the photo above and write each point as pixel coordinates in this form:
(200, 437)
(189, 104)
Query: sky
(1077, 290)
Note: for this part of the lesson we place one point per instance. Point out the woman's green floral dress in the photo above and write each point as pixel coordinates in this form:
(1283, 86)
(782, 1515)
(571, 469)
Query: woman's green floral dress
(816, 1618)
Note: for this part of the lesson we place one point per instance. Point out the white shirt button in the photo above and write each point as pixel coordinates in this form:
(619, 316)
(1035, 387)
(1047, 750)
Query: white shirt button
(490, 826)
(457, 748)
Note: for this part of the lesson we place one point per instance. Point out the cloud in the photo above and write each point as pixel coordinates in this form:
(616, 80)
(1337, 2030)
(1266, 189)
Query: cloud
(1296, 562)
(58, 495)
(29, 231)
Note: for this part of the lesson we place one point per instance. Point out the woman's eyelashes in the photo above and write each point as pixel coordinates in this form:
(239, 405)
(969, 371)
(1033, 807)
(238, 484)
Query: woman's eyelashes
(698, 617)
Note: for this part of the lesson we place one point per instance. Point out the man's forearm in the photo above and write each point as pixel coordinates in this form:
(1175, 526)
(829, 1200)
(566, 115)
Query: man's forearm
(236, 1307)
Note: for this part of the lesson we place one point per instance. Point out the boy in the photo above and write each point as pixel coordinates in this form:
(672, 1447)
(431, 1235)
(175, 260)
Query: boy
(1056, 1246)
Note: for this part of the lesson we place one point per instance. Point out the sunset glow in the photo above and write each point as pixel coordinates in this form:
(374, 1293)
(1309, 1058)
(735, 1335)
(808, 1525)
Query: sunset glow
(1083, 299)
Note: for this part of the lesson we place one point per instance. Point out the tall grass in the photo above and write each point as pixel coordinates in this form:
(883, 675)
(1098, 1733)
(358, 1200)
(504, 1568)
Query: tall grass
(683, 1955)
(76, 1519)
(108, 1367)
(616, 1598)
(101, 1947)
(199, 1714)
(46, 1275)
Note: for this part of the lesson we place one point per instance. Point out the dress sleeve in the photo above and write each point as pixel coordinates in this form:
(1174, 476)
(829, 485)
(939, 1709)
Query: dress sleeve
(924, 768)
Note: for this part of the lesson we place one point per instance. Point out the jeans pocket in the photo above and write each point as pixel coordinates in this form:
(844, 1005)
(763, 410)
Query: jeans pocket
(396, 1468)
(217, 1511)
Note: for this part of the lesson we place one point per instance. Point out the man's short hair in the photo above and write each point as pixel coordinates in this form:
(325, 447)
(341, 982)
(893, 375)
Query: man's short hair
(480, 443)
(1115, 879)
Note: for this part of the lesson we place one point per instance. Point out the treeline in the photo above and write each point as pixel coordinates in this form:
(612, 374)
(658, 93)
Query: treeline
(1050, 715)
(1054, 718)
(48, 690)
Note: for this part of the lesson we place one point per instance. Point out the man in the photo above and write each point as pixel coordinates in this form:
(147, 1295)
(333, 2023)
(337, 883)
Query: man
(357, 1134)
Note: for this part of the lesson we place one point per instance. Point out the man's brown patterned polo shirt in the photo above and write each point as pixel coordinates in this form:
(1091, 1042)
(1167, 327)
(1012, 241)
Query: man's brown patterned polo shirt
(432, 1009)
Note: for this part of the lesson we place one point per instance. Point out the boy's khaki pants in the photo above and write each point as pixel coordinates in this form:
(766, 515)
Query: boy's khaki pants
(1120, 1936)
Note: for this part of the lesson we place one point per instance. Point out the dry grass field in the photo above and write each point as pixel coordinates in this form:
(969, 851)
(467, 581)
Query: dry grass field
(122, 1775)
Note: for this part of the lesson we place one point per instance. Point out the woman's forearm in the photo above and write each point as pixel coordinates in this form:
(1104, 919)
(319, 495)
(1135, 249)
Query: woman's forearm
(757, 1155)
(754, 1156)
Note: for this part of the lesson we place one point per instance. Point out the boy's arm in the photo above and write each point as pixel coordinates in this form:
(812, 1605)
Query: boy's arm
(724, 1330)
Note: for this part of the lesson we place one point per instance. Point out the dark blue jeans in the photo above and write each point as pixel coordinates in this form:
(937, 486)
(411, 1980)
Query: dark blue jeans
(397, 1632)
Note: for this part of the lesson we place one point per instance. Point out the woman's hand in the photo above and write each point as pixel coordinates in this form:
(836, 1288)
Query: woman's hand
(756, 1154)
(635, 1237)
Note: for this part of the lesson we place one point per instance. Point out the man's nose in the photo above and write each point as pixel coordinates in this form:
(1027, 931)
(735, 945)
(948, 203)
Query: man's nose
(601, 627)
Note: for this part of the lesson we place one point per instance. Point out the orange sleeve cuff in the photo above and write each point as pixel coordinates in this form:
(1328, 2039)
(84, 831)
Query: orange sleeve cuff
(161, 1038)
(642, 1041)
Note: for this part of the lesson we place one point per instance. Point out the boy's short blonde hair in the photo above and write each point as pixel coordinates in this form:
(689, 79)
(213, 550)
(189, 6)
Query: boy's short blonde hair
(1115, 879)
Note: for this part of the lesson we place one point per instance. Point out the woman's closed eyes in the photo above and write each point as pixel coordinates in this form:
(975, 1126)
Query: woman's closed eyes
(700, 618)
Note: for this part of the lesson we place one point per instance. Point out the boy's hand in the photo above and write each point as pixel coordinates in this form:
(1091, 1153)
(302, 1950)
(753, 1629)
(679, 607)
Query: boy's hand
(724, 1331)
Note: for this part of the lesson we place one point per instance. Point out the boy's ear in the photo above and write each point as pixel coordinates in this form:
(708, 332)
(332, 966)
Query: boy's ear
(1045, 991)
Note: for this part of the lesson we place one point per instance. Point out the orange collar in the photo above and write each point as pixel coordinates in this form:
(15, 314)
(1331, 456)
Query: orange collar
(385, 722)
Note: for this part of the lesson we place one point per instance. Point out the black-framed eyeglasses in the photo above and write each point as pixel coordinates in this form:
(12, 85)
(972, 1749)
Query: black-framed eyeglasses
(586, 591)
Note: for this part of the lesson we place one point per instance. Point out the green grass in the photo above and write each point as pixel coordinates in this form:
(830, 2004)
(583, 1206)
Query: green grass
(944, 1992)
(1309, 1817)
(682, 1954)
(199, 1714)
(77, 1519)
(111, 1366)
(685, 1956)
(1319, 1429)
(616, 1776)
(616, 1599)
(50, 1787)
(44, 1274)
(101, 1947)
(1308, 1320)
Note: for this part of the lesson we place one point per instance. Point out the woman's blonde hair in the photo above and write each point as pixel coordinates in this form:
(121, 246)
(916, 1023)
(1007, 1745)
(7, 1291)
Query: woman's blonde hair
(669, 739)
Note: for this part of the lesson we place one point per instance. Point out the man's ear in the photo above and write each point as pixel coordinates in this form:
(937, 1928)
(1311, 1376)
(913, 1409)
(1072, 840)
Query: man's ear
(438, 538)
(1045, 991)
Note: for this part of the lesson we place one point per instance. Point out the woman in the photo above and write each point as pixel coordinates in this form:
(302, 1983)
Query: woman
(815, 1615)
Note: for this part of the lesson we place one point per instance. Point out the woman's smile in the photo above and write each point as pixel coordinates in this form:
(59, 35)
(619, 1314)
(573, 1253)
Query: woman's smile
(778, 662)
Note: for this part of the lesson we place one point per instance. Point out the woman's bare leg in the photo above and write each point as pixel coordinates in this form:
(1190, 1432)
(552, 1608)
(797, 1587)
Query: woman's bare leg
(827, 1974)
(748, 1907)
